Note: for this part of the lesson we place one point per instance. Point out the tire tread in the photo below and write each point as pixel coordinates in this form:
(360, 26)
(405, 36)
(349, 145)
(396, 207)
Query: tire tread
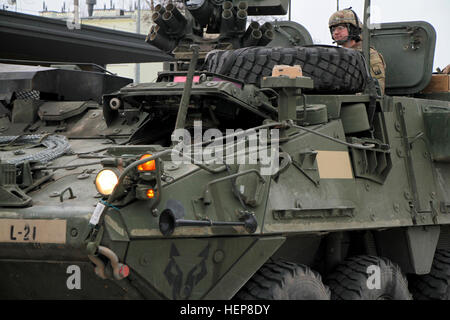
(333, 69)
(274, 274)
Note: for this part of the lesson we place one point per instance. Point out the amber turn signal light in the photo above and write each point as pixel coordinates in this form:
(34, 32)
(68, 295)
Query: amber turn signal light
(150, 193)
(147, 166)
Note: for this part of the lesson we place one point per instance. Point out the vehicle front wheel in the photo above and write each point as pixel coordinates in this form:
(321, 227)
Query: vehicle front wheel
(282, 280)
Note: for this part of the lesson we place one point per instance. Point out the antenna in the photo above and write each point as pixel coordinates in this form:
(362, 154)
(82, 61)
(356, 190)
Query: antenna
(137, 77)
(366, 34)
(290, 9)
(337, 5)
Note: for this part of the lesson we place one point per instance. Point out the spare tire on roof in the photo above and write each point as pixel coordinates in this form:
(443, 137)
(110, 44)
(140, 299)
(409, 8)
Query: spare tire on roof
(333, 69)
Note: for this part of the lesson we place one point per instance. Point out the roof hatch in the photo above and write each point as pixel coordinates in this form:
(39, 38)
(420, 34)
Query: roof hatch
(408, 50)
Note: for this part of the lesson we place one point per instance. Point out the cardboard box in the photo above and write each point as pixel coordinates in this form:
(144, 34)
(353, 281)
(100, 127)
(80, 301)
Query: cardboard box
(287, 71)
(438, 83)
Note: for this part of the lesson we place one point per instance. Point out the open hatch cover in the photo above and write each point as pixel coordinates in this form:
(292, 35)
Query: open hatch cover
(408, 50)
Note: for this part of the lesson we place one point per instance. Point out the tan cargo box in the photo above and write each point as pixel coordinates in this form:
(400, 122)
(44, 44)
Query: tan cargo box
(438, 83)
(287, 71)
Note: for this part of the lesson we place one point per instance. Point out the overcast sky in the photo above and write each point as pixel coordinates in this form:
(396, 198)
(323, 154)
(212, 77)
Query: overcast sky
(314, 15)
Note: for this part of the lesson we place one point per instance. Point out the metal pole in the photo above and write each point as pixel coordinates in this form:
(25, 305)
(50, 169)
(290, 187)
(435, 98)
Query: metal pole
(290, 9)
(337, 5)
(366, 34)
(184, 103)
(138, 22)
(137, 76)
(76, 12)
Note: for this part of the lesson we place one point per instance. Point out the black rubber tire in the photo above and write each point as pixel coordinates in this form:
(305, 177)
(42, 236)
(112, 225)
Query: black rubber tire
(282, 280)
(349, 280)
(435, 285)
(333, 69)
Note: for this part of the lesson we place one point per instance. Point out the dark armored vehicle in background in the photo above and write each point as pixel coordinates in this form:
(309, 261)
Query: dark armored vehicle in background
(95, 201)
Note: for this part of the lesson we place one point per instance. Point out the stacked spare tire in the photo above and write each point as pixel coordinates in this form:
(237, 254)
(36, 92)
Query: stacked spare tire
(333, 69)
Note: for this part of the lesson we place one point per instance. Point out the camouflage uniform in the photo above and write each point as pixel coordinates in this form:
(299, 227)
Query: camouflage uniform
(354, 25)
(377, 65)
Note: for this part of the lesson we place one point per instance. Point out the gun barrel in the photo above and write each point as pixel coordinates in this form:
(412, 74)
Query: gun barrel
(160, 8)
(267, 37)
(160, 41)
(266, 26)
(228, 22)
(253, 39)
(174, 20)
(177, 14)
(173, 26)
(157, 29)
(250, 38)
(227, 5)
(202, 12)
(243, 5)
(158, 19)
(254, 25)
(241, 20)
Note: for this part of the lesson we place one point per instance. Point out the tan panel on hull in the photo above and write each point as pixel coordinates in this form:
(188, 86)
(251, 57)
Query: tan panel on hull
(33, 231)
(334, 165)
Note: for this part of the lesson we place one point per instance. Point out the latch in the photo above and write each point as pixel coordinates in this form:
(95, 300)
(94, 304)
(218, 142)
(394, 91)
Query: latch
(415, 40)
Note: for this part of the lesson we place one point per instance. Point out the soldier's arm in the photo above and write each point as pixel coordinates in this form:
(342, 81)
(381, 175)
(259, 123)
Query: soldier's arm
(378, 68)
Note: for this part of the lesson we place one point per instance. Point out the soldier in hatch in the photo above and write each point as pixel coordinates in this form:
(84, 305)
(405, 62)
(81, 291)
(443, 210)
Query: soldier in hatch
(346, 29)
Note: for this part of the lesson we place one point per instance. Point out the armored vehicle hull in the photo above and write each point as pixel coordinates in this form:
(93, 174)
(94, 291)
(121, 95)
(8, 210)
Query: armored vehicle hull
(231, 181)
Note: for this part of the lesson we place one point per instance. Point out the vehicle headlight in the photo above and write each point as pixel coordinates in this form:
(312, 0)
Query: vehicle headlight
(106, 181)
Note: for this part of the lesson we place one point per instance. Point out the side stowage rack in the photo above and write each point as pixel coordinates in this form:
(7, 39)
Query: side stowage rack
(437, 126)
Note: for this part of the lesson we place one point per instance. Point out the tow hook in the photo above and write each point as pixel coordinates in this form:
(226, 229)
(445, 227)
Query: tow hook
(120, 270)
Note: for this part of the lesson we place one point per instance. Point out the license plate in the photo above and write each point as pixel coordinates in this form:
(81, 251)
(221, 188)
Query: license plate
(32, 231)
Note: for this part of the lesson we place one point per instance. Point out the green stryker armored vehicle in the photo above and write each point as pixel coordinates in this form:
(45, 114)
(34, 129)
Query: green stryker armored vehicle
(257, 166)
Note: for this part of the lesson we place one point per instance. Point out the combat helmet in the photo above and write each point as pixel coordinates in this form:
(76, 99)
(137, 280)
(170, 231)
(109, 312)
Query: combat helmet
(349, 18)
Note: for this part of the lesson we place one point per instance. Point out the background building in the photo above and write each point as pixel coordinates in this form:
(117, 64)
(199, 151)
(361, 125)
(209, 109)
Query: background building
(122, 20)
